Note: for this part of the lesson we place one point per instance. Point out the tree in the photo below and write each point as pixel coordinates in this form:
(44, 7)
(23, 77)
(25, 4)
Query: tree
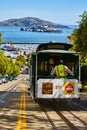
(0, 38)
(79, 39)
(10, 65)
(21, 59)
(79, 36)
(3, 64)
(19, 63)
(16, 70)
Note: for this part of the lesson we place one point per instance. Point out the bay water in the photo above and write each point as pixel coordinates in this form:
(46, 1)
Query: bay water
(13, 34)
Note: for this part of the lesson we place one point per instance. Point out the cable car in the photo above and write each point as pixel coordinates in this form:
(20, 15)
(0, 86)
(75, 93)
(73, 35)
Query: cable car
(43, 85)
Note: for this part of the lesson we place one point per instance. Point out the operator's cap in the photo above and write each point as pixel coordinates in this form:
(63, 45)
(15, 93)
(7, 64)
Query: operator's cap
(61, 61)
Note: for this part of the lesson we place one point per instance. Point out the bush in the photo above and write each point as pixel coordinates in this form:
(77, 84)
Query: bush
(85, 88)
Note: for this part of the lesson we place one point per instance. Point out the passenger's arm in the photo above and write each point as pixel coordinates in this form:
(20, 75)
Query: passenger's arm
(69, 71)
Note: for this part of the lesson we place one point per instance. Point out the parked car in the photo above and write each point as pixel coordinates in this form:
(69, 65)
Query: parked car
(4, 80)
(9, 78)
(0, 81)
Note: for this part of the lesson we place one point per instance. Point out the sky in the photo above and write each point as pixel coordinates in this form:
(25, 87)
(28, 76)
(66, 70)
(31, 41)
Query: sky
(57, 11)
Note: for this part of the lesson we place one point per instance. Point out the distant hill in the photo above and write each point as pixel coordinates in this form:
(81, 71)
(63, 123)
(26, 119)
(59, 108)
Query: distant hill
(30, 22)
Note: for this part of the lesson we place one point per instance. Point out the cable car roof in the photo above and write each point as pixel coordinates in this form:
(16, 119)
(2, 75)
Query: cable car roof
(58, 51)
(54, 45)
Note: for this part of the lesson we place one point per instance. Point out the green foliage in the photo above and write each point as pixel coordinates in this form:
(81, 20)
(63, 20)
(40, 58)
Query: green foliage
(9, 70)
(19, 63)
(3, 64)
(8, 67)
(0, 38)
(80, 39)
(16, 70)
(21, 59)
(79, 36)
(28, 62)
(84, 88)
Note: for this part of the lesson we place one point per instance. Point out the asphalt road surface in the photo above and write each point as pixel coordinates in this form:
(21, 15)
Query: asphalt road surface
(19, 112)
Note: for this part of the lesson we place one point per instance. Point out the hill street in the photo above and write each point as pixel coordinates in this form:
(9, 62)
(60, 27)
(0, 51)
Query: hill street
(18, 111)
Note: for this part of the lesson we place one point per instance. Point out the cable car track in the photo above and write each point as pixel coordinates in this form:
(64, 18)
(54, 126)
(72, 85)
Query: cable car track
(65, 116)
(67, 121)
(50, 120)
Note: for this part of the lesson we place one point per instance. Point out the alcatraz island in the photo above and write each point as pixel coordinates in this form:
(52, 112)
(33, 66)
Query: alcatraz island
(41, 29)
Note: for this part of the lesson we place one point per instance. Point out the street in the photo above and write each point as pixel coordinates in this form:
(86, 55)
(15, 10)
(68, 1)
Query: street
(19, 112)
